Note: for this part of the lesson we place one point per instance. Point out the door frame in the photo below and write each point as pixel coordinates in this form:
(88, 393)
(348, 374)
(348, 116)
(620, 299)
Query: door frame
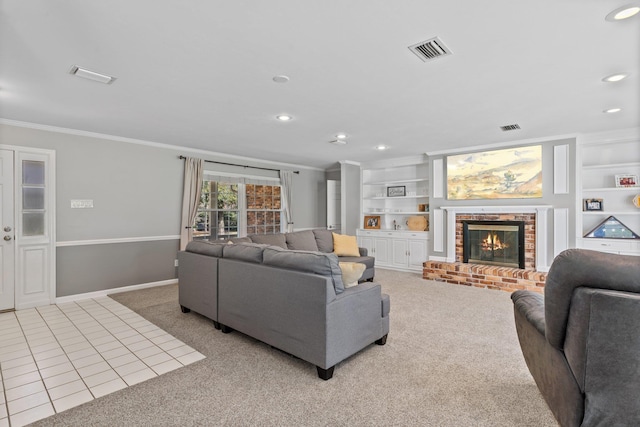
(27, 298)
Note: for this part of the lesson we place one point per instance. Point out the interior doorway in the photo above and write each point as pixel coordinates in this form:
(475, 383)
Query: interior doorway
(7, 244)
(334, 201)
(27, 225)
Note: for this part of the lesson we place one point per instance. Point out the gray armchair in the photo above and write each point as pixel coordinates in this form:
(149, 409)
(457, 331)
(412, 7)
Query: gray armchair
(581, 341)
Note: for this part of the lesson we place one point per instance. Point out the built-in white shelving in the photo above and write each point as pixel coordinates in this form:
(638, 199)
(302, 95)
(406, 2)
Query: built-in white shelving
(392, 244)
(377, 180)
(601, 161)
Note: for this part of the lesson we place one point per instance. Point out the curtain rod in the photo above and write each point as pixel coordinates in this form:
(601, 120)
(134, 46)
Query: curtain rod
(242, 166)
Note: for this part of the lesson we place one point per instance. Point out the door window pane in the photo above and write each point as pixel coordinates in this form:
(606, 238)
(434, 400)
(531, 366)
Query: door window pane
(32, 172)
(33, 223)
(32, 198)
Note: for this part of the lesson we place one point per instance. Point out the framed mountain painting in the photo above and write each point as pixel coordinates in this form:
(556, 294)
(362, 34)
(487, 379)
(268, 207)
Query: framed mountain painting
(511, 173)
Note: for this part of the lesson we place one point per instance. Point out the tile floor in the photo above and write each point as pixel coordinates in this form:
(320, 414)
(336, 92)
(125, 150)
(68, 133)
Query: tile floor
(55, 357)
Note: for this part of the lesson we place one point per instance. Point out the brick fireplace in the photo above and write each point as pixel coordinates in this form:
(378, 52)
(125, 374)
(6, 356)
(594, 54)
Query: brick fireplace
(455, 270)
(528, 219)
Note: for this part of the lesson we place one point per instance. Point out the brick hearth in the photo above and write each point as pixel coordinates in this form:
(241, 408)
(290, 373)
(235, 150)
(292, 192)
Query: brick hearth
(484, 276)
(488, 276)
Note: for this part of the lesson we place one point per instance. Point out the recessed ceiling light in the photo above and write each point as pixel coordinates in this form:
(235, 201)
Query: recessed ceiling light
(281, 79)
(341, 136)
(338, 142)
(623, 12)
(91, 75)
(615, 77)
(284, 117)
(612, 110)
(381, 147)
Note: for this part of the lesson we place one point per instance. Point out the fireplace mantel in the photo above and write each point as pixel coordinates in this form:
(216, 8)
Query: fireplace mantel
(541, 227)
(497, 209)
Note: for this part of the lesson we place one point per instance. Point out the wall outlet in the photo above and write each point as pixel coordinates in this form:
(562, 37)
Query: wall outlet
(175, 263)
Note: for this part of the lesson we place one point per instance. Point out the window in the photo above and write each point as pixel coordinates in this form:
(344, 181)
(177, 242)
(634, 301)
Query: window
(234, 207)
(217, 217)
(263, 209)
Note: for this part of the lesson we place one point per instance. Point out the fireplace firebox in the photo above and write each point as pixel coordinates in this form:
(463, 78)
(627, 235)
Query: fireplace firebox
(493, 243)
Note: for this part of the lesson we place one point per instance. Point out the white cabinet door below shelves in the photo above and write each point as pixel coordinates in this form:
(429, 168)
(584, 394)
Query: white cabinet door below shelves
(400, 254)
(417, 253)
(399, 250)
(381, 250)
(367, 243)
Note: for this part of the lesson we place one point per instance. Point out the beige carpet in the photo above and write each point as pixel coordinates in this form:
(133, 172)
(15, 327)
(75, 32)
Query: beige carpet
(452, 359)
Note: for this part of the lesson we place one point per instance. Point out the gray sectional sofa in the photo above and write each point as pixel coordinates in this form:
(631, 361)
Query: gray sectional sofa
(293, 300)
(311, 240)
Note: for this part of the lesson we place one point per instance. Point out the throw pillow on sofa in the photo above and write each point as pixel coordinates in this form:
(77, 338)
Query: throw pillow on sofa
(344, 245)
(277, 239)
(301, 241)
(351, 273)
(249, 252)
(314, 262)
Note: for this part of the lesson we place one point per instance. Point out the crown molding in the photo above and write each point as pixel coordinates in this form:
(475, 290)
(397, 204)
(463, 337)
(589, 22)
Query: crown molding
(618, 135)
(505, 144)
(88, 134)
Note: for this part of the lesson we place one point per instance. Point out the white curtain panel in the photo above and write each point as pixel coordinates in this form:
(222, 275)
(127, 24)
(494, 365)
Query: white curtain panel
(190, 198)
(286, 180)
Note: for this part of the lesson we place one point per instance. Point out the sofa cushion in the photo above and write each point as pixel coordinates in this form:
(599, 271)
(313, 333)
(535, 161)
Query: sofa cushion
(204, 247)
(239, 240)
(351, 273)
(324, 240)
(344, 245)
(301, 241)
(270, 239)
(250, 252)
(314, 262)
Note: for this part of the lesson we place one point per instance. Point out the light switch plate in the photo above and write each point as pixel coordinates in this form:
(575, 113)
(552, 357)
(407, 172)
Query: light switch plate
(81, 204)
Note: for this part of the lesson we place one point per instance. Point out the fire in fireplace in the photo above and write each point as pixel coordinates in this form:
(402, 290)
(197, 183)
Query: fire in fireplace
(493, 243)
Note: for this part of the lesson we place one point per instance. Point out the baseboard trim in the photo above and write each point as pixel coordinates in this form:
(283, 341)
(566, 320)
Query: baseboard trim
(107, 292)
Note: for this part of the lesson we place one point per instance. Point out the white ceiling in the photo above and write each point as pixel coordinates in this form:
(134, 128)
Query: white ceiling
(198, 73)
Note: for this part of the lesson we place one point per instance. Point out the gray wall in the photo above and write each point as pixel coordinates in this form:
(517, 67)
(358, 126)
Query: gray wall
(137, 192)
(350, 193)
(548, 197)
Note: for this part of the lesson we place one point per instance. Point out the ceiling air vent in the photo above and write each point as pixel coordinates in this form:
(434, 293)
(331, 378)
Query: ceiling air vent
(430, 49)
(510, 127)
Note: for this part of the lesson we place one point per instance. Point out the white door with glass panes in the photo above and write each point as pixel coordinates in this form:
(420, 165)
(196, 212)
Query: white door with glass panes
(28, 215)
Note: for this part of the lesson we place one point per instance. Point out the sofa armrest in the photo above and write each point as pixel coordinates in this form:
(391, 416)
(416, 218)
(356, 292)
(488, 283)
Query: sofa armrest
(354, 321)
(531, 306)
(363, 251)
